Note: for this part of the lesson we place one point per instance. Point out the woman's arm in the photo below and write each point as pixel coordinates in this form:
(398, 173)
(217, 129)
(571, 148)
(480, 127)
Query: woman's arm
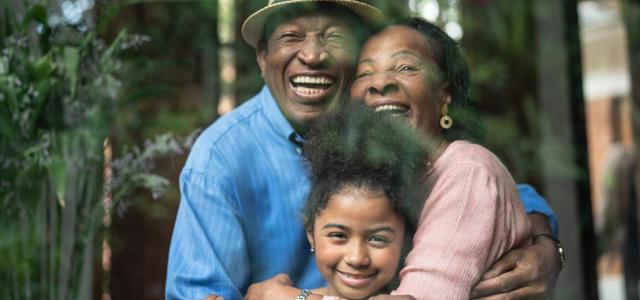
(471, 217)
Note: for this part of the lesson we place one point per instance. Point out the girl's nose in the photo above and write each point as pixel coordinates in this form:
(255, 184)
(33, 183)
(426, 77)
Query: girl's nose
(357, 255)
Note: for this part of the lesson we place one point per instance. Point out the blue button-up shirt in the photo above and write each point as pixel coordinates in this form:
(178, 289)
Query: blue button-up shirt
(239, 220)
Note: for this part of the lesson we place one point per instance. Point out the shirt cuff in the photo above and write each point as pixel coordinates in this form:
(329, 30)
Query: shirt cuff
(534, 203)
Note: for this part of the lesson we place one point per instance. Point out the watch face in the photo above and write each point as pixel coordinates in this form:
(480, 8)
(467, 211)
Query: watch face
(561, 252)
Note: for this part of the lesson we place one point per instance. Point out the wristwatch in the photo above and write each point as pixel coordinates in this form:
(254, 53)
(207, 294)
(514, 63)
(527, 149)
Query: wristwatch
(304, 294)
(558, 245)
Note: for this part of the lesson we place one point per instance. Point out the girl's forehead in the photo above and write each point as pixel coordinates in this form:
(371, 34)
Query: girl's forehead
(356, 206)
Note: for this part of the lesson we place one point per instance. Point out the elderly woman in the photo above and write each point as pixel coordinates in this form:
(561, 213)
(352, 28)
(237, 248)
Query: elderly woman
(472, 214)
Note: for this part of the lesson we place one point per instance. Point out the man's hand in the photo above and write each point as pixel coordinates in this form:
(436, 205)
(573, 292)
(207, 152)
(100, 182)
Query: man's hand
(214, 297)
(278, 287)
(529, 272)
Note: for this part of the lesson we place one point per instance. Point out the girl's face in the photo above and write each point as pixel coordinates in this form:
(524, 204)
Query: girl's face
(397, 74)
(358, 240)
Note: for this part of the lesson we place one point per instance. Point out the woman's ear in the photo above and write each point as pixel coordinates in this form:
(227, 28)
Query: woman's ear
(444, 94)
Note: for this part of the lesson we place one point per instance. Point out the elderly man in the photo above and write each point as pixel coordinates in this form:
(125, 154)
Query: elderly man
(243, 185)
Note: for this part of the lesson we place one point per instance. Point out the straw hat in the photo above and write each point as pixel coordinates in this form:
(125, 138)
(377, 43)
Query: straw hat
(253, 27)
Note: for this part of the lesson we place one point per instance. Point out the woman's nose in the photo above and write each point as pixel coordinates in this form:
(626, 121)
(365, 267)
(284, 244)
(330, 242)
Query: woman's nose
(382, 84)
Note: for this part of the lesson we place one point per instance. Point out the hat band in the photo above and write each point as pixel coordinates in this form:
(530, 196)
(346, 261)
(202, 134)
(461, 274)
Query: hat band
(272, 2)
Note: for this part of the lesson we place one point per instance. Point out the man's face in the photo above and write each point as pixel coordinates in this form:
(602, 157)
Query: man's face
(308, 63)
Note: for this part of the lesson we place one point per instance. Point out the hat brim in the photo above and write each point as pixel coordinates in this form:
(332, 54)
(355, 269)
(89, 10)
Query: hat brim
(253, 26)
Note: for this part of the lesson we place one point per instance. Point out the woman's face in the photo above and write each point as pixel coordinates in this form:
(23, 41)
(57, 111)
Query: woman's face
(396, 74)
(358, 241)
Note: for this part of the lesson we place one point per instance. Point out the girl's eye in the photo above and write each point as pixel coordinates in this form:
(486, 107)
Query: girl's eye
(379, 240)
(337, 235)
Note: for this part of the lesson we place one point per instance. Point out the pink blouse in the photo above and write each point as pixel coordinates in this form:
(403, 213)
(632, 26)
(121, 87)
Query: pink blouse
(471, 217)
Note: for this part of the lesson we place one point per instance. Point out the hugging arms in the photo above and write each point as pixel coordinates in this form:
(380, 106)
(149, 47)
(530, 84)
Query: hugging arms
(244, 184)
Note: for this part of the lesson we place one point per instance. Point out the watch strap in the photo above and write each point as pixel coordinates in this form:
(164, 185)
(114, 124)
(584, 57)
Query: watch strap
(559, 246)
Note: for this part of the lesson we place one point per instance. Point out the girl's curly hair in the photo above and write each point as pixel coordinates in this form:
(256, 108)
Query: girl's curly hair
(356, 147)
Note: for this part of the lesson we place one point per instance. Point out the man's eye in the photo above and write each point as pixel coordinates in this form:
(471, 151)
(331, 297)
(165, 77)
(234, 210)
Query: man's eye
(336, 38)
(290, 37)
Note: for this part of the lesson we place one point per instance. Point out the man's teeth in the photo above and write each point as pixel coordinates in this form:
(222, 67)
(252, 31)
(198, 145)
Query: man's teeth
(390, 107)
(308, 91)
(312, 80)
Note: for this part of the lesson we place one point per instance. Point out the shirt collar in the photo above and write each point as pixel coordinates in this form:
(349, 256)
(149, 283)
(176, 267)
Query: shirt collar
(277, 119)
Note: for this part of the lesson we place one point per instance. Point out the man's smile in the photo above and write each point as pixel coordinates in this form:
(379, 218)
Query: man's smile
(312, 87)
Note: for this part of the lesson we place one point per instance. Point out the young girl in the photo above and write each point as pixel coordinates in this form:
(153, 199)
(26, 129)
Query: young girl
(359, 215)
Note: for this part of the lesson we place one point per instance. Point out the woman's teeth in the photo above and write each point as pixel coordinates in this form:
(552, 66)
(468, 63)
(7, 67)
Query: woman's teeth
(391, 109)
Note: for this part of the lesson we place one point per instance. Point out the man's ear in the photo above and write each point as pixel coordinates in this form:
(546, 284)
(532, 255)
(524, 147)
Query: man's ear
(261, 56)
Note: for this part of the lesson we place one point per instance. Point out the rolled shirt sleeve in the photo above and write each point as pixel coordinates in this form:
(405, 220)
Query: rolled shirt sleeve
(534, 203)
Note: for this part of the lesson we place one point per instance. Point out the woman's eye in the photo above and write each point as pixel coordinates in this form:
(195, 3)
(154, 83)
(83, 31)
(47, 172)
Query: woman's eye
(363, 74)
(407, 68)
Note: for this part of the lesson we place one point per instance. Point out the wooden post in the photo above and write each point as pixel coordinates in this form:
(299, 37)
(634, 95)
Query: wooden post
(563, 121)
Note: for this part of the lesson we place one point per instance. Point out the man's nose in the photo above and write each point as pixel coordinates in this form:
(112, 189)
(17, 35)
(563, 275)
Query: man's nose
(357, 255)
(313, 52)
(382, 83)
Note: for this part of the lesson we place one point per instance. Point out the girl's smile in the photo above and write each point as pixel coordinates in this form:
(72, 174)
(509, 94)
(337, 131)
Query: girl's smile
(358, 239)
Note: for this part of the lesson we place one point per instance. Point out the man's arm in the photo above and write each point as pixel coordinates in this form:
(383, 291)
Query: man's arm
(530, 271)
(535, 204)
(203, 258)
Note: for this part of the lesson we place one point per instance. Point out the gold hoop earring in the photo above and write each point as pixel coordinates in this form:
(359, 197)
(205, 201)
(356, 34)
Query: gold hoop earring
(445, 121)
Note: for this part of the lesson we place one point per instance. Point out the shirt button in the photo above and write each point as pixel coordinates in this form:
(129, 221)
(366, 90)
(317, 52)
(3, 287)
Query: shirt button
(299, 150)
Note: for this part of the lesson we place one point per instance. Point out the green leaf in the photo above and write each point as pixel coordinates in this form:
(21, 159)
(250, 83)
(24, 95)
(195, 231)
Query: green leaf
(37, 13)
(58, 173)
(71, 63)
(43, 67)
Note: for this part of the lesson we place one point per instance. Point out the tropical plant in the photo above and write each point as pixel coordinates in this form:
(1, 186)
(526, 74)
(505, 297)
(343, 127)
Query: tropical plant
(59, 93)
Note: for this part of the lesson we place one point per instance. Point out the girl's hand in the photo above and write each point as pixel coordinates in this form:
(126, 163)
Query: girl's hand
(278, 287)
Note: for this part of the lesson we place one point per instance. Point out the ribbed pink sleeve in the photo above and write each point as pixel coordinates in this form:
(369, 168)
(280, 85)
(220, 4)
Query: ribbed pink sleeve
(471, 217)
